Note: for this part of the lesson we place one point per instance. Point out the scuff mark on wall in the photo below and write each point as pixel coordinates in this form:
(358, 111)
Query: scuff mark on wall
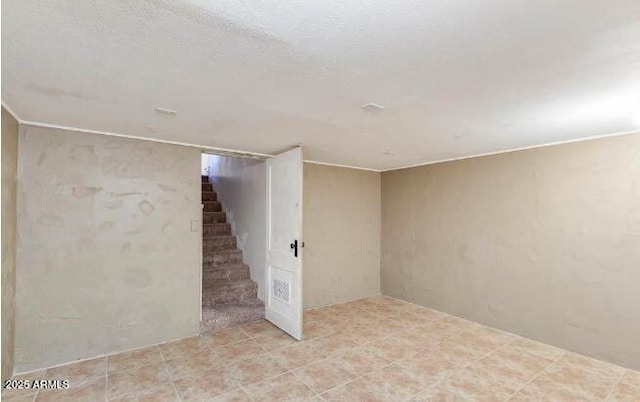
(113, 279)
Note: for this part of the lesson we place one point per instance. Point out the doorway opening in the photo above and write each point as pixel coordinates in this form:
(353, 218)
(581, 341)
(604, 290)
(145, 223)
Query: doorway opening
(252, 241)
(233, 240)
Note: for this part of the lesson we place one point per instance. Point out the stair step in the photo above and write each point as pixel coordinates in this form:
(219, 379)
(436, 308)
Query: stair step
(213, 217)
(205, 179)
(209, 196)
(216, 229)
(230, 292)
(207, 187)
(217, 243)
(229, 272)
(221, 258)
(230, 315)
(212, 206)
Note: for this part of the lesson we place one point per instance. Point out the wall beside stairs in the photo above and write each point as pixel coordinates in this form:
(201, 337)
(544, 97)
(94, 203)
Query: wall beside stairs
(241, 187)
(341, 234)
(106, 259)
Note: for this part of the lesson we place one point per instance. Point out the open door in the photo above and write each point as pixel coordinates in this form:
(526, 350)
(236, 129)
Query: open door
(283, 298)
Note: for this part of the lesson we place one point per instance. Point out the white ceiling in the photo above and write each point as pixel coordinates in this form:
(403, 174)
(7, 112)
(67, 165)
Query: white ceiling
(456, 77)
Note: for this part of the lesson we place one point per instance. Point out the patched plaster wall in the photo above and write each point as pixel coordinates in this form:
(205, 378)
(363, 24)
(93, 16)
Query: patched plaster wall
(544, 243)
(106, 257)
(341, 234)
(9, 174)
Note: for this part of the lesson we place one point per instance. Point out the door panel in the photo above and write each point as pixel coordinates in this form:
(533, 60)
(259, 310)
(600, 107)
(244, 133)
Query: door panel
(283, 299)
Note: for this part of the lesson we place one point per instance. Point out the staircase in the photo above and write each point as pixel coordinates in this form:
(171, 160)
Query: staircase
(229, 296)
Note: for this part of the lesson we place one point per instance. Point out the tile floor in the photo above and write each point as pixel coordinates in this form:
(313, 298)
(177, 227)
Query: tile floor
(372, 349)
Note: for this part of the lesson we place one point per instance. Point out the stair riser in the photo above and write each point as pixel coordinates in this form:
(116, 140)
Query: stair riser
(214, 244)
(218, 229)
(218, 321)
(219, 260)
(212, 206)
(210, 277)
(209, 196)
(214, 217)
(207, 187)
(229, 295)
(205, 179)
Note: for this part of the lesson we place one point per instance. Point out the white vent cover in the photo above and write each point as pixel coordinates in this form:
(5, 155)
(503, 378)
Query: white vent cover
(282, 291)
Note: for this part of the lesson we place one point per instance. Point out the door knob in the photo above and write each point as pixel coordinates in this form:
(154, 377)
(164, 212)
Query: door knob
(294, 247)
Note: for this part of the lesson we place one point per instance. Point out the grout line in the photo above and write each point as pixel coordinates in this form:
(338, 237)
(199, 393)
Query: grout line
(537, 374)
(615, 385)
(106, 379)
(173, 384)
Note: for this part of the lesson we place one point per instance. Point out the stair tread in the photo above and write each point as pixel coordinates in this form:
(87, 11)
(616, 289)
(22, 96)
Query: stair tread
(237, 265)
(223, 284)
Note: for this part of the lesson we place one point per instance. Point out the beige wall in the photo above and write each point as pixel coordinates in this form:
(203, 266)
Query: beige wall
(341, 234)
(106, 257)
(9, 172)
(241, 187)
(544, 243)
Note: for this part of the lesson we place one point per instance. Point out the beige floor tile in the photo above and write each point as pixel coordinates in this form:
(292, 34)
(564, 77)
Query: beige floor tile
(427, 369)
(80, 372)
(419, 338)
(209, 384)
(133, 382)
(256, 369)
(522, 357)
(323, 375)
(439, 393)
(471, 385)
(263, 327)
(593, 380)
(624, 392)
(484, 339)
(183, 347)
(497, 369)
(458, 354)
(367, 333)
(361, 360)
(160, 393)
(285, 387)
(29, 397)
(393, 325)
(90, 390)
(341, 309)
(334, 344)
(275, 341)
(134, 359)
(538, 349)
(238, 395)
(192, 365)
(298, 355)
(337, 324)
(422, 315)
(357, 390)
(447, 327)
(394, 348)
(317, 314)
(543, 388)
(223, 337)
(236, 351)
(316, 329)
(396, 382)
(631, 377)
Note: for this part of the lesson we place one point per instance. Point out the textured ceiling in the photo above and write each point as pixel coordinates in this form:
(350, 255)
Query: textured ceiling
(456, 77)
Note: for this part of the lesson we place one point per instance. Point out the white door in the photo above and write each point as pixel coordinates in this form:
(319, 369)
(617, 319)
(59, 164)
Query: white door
(283, 299)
